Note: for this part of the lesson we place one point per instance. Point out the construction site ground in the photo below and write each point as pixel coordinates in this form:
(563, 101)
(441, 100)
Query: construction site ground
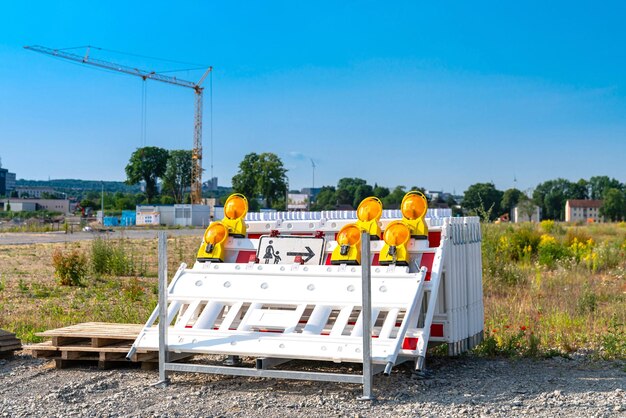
(458, 387)
(22, 238)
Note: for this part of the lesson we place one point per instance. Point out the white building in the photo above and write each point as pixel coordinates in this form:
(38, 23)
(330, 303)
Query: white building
(521, 213)
(583, 210)
(174, 215)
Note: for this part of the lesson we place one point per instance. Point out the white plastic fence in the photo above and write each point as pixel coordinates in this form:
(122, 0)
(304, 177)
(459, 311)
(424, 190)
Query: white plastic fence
(283, 312)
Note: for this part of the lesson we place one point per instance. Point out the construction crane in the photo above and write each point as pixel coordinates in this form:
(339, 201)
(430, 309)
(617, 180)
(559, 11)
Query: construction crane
(196, 167)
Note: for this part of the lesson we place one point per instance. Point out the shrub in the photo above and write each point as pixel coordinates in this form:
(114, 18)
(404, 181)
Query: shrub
(551, 227)
(576, 234)
(524, 242)
(70, 267)
(550, 251)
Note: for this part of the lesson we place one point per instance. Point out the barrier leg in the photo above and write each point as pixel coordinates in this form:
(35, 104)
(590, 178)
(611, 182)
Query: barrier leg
(163, 317)
(366, 315)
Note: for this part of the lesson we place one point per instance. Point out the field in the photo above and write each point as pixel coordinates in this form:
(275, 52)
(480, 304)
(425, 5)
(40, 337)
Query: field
(549, 289)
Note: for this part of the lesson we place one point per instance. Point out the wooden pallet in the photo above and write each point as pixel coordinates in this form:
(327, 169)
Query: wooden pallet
(8, 343)
(104, 343)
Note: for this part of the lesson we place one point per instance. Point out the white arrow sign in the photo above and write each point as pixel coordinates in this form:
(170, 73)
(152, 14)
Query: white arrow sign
(284, 249)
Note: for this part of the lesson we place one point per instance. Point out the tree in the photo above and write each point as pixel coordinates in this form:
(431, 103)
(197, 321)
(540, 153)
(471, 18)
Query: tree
(483, 199)
(551, 196)
(147, 164)
(177, 177)
(614, 205)
(510, 199)
(526, 207)
(326, 199)
(261, 174)
(349, 190)
(245, 181)
(86, 203)
(394, 199)
(380, 192)
(599, 185)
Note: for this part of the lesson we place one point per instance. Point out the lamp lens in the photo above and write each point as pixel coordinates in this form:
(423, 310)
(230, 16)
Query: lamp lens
(370, 208)
(349, 235)
(413, 206)
(215, 233)
(236, 207)
(396, 234)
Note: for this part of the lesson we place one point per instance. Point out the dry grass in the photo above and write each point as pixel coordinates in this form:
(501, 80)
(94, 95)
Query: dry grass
(530, 309)
(32, 301)
(559, 309)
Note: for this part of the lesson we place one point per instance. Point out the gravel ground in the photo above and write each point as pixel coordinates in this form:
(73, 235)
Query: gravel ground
(466, 386)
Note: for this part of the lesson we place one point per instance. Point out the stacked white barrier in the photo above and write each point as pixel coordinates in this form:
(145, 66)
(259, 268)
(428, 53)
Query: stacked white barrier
(448, 302)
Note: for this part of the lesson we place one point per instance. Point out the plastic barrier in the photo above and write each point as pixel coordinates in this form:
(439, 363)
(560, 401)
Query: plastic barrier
(277, 308)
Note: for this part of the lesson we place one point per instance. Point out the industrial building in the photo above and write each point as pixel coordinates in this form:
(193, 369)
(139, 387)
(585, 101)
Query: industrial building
(173, 215)
(51, 205)
(7, 182)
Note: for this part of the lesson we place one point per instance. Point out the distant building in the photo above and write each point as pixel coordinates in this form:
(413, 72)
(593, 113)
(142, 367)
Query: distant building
(7, 182)
(583, 210)
(35, 191)
(526, 213)
(312, 191)
(297, 201)
(211, 184)
(51, 205)
(173, 215)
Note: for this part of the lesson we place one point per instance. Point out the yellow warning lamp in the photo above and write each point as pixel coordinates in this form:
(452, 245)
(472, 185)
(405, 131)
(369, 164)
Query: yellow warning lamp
(348, 250)
(394, 251)
(369, 212)
(414, 206)
(212, 246)
(235, 211)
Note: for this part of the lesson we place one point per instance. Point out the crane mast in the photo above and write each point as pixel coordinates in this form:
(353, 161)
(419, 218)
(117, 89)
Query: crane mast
(196, 163)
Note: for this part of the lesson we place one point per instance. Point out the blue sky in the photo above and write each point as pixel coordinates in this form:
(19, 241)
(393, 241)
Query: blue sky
(439, 95)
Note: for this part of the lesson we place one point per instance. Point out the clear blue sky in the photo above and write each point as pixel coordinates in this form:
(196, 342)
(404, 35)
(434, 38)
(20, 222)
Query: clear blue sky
(440, 96)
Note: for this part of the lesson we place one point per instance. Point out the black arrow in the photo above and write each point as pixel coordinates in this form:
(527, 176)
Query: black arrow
(309, 254)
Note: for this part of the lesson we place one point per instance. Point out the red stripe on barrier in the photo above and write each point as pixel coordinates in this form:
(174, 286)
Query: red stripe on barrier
(244, 256)
(254, 236)
(427, 261)
(375, 260)
(436, 330)
(409, 344)
(434, 239)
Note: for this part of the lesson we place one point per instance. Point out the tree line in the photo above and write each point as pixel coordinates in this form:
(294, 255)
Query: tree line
(550, 196)
(264, 175)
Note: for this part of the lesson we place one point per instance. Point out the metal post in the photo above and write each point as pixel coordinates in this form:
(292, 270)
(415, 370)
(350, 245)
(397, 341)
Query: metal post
(163, 321)
(366, 312)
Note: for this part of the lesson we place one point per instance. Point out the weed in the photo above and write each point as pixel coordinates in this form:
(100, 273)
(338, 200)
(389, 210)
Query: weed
(614, 341)
(110, 258)
(23, 287)
(70, 268)
(587, 302)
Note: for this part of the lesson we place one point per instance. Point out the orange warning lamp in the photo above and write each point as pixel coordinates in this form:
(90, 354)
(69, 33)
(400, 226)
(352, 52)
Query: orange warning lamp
(369, 212)
(414, 206)
(212, 247)
(348, 250)
(235, 211)
(396, 235)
